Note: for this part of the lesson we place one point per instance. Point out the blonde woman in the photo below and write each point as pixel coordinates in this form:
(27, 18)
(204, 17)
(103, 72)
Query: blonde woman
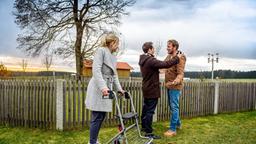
(104, 75)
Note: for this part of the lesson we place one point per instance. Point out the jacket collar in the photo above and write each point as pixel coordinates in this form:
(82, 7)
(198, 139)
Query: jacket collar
(149, 54)
(109, 59)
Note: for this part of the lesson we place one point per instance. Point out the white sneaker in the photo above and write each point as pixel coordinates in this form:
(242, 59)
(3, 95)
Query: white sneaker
(179, 127)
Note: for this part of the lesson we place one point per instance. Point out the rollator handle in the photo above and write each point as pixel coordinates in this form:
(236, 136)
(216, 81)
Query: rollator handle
(126, 94)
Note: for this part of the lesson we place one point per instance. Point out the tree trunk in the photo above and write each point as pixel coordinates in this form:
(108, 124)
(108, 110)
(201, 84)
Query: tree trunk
(78, 55)
(78, 43)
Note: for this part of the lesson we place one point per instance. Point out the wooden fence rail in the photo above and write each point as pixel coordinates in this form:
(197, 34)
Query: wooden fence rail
(32, 103)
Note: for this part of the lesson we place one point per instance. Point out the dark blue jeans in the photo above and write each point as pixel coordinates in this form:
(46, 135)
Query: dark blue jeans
(173, 96)
(148, 110)
(96, 121)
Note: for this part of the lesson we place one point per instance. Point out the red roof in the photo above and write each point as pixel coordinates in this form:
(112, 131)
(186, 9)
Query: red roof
(120, 65)
(123, 65)
(88, 63)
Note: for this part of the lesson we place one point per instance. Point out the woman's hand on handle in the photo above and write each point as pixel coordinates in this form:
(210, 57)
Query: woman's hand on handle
(121, 93)
(105, 91)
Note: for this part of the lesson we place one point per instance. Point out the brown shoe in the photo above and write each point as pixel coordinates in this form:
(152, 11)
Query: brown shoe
(170, 133)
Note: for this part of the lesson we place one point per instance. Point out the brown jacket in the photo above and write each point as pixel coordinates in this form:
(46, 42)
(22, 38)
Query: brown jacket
(149, 67)
(175, 74)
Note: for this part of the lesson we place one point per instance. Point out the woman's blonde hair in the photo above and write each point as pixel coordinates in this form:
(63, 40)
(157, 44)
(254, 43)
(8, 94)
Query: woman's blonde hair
(108, 38)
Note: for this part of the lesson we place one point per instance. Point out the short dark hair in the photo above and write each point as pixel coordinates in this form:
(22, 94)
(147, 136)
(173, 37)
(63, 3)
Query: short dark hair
(174, 43)
(146, 46)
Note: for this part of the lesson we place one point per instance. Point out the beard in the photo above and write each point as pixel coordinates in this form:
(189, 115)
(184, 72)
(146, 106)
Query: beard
(170, 51)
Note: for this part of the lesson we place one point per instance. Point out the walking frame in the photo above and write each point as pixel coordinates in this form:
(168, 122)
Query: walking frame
(130, 134)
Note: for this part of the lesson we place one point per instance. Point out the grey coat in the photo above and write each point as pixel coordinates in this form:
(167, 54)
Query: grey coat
(104, 75)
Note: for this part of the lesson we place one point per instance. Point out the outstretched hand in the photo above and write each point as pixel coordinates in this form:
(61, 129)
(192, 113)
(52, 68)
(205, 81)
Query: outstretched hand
(180, 54)
(171, 83)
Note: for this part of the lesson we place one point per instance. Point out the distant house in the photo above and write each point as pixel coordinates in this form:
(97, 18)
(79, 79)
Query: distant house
(123, 69)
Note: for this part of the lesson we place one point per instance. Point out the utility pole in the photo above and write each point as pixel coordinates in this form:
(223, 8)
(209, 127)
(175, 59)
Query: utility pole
(211, 59)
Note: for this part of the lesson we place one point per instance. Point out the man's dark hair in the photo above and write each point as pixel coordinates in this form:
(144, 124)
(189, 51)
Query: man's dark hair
(146, 46)
(174, 43)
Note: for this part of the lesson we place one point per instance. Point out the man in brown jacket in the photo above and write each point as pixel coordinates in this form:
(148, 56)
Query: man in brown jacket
(149, 67)
(174, 83)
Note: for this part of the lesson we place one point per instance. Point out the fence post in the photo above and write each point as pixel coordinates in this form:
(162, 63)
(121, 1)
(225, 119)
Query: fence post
(155, 116)
(254, 93)
(216, 97)
(59, 105)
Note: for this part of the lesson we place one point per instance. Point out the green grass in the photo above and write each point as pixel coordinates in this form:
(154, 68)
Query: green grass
(236, 128)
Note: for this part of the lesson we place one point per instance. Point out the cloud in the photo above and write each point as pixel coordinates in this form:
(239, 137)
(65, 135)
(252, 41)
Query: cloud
(200, 63)
(227, 27)
(36, 64)
(202, 27)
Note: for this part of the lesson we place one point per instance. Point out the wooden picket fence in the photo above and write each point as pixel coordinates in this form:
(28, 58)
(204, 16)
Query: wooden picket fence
(27, 103)
(32, 103)
(236, 97)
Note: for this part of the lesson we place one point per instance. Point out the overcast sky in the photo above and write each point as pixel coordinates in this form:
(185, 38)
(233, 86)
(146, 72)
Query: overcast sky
(201, 27)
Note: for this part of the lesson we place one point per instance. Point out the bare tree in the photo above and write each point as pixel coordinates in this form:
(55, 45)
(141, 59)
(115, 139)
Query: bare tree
(3, 71)
(68, 27)
(47, 61)
(24, 65)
